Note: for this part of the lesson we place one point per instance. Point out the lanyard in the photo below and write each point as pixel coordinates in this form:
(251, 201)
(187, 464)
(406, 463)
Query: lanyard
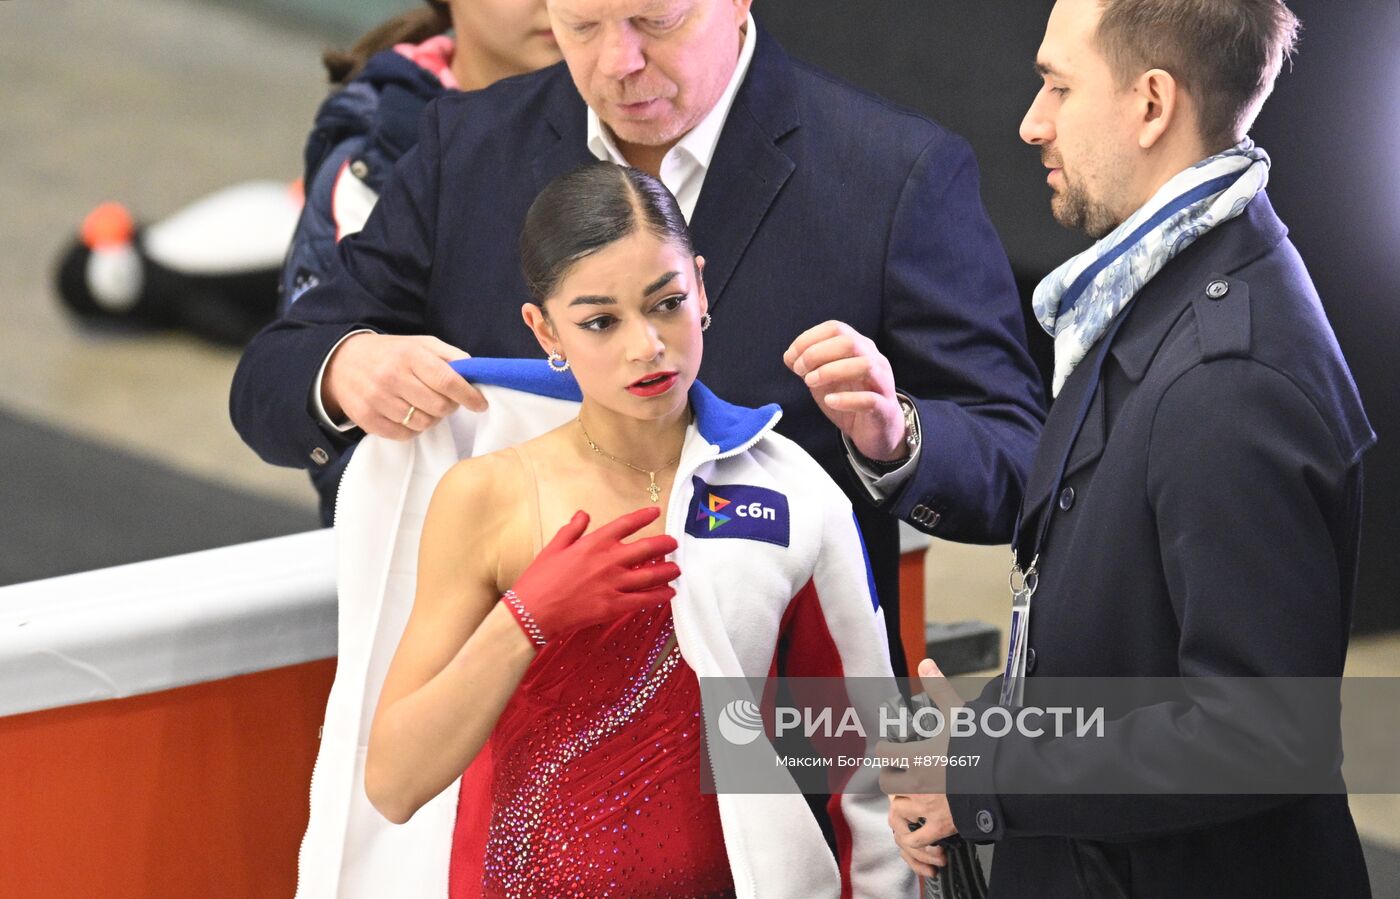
(1023, 581)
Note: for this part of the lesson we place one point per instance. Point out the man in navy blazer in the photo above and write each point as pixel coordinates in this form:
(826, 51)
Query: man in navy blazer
(838, 229)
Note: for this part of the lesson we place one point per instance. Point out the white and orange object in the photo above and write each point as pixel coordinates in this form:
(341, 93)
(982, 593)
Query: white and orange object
(114, 266)
(210, 268)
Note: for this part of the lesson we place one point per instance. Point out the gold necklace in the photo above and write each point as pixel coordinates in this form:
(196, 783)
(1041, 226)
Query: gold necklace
(653, 490)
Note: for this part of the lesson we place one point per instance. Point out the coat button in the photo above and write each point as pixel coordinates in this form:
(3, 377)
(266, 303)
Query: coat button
(1066, 499)
(1030, 660)
(319, 456)
(359, 169)
(985, 822)
(925, 516)
(1217, 289)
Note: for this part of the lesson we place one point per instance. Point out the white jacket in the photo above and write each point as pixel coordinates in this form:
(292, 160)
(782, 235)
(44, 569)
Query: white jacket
(742, 569)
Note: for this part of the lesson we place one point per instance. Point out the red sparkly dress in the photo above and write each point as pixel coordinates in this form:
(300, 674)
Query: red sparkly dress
(590, 783)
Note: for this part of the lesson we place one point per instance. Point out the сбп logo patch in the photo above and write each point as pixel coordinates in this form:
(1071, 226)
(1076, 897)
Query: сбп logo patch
(738, 510)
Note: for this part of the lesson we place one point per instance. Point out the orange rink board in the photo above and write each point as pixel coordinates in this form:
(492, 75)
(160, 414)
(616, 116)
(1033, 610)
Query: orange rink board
(195, 791)
(911, 609)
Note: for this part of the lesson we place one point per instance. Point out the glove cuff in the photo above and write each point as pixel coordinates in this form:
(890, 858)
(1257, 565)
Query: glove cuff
(523, 617)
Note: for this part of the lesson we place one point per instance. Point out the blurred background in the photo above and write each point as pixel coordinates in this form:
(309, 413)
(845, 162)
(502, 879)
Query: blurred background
(115, 441)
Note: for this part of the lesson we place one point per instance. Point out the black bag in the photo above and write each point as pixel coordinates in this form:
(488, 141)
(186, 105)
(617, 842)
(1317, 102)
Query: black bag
(962, 876)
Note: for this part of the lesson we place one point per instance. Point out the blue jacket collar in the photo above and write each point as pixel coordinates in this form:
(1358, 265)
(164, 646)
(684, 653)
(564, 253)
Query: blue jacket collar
(724, 424)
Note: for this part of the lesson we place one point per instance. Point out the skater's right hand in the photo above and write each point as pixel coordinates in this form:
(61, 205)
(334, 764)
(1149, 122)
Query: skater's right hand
(577, 580)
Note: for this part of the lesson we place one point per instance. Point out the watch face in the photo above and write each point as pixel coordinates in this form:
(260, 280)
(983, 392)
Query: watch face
(911, 424)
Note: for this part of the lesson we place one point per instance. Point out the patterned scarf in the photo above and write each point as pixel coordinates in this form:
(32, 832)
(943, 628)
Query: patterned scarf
(1077, 301)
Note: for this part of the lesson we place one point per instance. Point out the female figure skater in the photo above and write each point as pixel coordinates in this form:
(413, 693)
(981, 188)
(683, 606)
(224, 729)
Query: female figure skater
(564, 670)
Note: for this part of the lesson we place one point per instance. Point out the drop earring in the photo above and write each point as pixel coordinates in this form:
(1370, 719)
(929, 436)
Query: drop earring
(705, 321)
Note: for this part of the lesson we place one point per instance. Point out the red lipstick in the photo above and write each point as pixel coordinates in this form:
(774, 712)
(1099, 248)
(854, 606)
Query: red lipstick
(653, 384)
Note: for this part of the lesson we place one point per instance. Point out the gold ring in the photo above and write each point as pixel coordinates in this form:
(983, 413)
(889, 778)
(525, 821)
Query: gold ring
(408, 417)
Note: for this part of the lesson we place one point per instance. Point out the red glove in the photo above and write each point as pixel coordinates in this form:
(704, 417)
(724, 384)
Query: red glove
(578, 581)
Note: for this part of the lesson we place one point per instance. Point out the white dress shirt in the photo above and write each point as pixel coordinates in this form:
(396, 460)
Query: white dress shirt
(684, 166)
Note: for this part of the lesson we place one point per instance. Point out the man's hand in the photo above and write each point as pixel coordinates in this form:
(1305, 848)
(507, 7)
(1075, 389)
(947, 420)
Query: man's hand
(919, 811)
(916, 845)
(373, 379)
(852, 382)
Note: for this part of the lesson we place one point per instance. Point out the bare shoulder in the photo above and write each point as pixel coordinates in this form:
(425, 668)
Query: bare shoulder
(475, 511)
(478, 483)
(550, 444)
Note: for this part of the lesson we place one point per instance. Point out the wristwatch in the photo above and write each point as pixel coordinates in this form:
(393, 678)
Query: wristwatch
(911, 438)
(911, 422)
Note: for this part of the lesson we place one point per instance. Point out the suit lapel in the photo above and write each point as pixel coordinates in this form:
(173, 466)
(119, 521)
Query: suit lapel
(568, 116)
(748, 169)
(745, 175)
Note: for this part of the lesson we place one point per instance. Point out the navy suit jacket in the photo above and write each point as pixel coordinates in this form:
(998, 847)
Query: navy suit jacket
(821, 202)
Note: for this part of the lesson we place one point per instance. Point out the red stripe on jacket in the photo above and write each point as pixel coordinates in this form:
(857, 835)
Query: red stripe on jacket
(806, 649)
